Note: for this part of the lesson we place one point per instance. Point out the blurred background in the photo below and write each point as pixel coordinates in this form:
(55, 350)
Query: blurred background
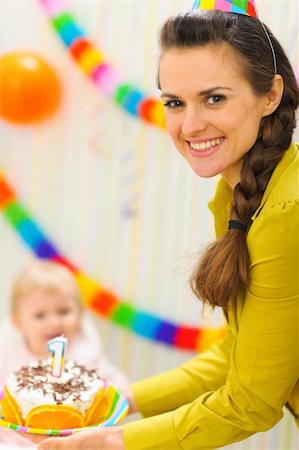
(108, 188)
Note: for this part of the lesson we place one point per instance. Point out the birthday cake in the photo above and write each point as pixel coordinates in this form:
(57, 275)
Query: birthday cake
(34, 398)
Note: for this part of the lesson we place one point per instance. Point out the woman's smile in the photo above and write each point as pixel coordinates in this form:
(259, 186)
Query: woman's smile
(205, 147)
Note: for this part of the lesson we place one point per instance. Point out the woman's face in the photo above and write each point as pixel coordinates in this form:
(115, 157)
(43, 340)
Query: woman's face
(43, 315)
(211, 112)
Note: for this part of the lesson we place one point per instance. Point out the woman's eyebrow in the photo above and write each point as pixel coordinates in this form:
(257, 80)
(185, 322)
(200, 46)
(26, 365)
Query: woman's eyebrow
(213, 89)
(165, 94)
(201, 93)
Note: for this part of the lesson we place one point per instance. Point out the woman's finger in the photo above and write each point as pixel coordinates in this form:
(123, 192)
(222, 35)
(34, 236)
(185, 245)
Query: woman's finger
(36, 438)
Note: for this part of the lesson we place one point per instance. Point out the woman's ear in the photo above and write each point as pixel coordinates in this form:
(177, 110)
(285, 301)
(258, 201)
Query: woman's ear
(274, 96)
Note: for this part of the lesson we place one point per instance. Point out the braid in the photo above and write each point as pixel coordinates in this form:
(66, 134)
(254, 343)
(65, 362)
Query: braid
(260, 162)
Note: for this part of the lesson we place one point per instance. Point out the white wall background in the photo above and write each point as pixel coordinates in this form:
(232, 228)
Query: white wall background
(78, 172)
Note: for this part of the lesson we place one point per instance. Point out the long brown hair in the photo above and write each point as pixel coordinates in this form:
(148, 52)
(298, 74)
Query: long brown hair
(223, 270)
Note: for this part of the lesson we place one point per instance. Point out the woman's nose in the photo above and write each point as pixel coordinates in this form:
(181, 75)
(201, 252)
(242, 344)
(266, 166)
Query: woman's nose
(194, 121)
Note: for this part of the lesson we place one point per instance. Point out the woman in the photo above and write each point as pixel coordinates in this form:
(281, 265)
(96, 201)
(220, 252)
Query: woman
(230, 97)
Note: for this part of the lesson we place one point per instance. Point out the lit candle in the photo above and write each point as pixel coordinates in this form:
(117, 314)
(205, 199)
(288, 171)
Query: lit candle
(57, 347)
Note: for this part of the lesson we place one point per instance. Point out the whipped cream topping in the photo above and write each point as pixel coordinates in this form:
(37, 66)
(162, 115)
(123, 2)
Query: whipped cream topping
(33, 385)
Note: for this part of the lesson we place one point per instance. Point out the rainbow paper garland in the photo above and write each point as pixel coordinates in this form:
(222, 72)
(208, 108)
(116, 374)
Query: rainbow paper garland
(97, 298)
(92, 62)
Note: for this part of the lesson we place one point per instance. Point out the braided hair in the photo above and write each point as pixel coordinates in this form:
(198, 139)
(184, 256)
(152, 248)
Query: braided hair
(223, 269)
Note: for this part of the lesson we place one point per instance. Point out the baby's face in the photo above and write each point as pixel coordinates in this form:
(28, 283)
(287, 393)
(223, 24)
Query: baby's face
(43, 315)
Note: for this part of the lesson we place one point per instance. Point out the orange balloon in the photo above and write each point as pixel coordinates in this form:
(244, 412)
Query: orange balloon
(29, 88)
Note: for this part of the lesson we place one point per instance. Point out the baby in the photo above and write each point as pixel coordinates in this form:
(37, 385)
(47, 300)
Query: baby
(45, 303)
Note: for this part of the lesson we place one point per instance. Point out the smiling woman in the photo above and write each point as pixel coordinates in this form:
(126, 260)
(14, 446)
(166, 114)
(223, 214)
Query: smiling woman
(245, 94)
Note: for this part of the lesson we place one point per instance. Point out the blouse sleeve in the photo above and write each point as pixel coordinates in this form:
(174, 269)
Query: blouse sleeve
(264, 355)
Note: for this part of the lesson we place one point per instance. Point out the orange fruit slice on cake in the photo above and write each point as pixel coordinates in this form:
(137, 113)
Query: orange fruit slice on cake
(54, 417)
(10, 409)
(100, 407)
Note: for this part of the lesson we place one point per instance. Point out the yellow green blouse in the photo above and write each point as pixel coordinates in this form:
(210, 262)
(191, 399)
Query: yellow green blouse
(241, 384)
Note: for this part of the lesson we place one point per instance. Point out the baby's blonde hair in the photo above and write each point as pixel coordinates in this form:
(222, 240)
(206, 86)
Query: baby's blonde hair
(48, 276)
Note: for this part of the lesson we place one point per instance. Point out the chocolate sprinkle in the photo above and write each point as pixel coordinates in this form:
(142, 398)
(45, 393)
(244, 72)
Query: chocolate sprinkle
(37, 376)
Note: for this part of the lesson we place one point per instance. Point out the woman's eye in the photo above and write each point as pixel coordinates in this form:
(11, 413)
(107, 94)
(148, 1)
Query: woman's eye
(173, 104)
(214, 99)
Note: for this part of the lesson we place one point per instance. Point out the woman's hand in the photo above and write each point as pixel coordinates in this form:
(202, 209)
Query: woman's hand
(94, 439)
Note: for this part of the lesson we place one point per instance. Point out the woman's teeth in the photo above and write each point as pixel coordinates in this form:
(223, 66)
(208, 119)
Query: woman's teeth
(202, 146)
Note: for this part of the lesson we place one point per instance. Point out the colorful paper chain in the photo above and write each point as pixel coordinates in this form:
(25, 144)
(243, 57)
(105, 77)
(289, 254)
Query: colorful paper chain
(96, 297)
(92, 62)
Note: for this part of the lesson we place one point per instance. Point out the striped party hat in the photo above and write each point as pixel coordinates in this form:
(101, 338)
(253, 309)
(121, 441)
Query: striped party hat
(245, 7)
